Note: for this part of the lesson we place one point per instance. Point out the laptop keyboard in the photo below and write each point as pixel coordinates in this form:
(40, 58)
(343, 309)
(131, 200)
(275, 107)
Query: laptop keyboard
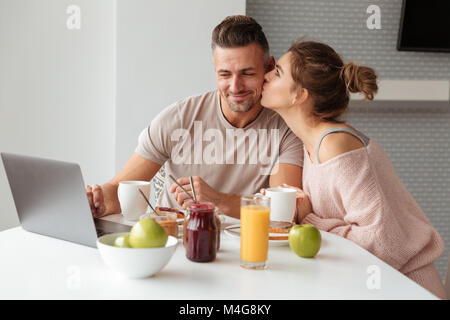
(103, 227)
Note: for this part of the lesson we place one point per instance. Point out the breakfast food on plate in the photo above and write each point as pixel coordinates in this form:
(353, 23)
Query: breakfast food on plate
(279, 230)
(162, 210)
(282, 232)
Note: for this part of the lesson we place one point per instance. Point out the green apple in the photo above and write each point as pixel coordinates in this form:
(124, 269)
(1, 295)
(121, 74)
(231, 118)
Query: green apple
(122, 241)
(147, 233)
(305, 240)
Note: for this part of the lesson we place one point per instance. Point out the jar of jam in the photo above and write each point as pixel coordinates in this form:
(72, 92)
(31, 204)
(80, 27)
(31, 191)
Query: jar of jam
(218, 224)
(200, 234)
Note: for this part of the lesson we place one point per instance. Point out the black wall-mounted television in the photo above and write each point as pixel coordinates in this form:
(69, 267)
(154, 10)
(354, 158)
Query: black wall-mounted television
(424, 26)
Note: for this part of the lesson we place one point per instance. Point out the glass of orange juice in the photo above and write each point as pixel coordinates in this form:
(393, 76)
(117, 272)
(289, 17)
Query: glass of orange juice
(255, 220)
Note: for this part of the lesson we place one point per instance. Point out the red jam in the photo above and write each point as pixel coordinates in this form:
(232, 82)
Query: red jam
(201, 232)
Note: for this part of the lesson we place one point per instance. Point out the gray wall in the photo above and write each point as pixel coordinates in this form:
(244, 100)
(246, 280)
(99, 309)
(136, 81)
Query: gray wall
(84, 95)
(56, 87)
(163, 55)
(414, 134)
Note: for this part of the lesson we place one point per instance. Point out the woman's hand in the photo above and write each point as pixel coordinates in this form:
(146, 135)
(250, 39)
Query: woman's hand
(304, 206)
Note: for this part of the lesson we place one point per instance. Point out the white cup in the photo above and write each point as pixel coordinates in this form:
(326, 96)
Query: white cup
(132, 202)
(283, 202)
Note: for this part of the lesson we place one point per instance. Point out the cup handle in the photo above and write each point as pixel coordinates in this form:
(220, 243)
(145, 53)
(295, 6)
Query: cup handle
(118, 198)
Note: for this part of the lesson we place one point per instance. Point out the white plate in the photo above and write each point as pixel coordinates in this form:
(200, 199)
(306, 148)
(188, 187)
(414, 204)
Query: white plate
(234, 231)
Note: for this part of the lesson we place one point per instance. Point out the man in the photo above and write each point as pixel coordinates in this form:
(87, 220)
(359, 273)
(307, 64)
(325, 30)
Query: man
(196, 136)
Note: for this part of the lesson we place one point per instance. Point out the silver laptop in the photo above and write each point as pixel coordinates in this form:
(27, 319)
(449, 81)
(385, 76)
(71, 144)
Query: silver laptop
(51, 200)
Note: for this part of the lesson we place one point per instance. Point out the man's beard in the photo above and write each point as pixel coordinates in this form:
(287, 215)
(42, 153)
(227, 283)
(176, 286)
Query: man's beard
(244, 106)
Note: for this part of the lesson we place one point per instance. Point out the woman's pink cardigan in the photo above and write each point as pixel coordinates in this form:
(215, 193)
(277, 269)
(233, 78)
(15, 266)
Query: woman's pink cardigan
(359, 196)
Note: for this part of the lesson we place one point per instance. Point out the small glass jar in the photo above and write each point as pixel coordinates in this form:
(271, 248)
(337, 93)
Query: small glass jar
(201, 232)
(218, 223)
(168, 221)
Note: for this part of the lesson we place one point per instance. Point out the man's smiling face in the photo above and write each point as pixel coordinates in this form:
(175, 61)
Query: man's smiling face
(240, 75)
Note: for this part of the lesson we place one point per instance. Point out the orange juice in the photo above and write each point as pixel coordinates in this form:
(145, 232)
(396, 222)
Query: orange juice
(254, 235)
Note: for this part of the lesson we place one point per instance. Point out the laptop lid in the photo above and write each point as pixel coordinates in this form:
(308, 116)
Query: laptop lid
(50, 198)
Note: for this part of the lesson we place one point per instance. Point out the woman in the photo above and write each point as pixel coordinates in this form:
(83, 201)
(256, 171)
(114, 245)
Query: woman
(350, 187)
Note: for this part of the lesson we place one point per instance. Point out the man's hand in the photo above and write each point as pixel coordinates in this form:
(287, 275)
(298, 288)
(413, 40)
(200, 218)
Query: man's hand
(228, 204)
(96, 200)
(103, 199)
(203, 192)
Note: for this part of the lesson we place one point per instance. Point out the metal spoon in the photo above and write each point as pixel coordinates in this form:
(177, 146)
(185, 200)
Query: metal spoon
(193, 190)
(148, 202)
(174, 180)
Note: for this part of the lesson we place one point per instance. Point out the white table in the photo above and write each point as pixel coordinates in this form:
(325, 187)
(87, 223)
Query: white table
(39, 267)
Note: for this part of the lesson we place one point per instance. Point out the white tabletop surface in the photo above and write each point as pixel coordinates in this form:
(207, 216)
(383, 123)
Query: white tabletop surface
(39, 267)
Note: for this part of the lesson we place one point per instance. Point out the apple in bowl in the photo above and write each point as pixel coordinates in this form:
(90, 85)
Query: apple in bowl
(143, 252)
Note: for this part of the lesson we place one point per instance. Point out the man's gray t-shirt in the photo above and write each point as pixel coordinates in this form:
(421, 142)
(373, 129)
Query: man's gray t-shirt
(192, 137)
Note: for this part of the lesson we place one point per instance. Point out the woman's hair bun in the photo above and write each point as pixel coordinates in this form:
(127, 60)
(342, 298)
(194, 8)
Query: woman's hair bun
(360, 79)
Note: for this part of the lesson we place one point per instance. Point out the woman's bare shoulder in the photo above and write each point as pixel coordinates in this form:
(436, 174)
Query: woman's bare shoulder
(338, 143)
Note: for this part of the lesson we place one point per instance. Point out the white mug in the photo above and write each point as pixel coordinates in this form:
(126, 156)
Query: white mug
(132, 202)
(283, 202)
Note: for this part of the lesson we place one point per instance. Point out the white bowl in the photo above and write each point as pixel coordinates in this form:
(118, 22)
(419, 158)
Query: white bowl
(135, 262)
